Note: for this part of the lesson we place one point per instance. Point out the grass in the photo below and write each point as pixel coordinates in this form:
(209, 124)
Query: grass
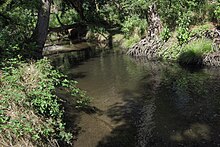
(198, 29)
(199, 47)
(30, 112)
(190, 53)
(193, 52)
(129, 42)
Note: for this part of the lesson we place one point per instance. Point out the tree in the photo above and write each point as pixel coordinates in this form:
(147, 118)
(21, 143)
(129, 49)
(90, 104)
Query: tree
(78, 6)
(40, 33)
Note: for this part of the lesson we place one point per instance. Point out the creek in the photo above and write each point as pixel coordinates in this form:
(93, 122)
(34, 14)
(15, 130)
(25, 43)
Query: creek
(145, 103)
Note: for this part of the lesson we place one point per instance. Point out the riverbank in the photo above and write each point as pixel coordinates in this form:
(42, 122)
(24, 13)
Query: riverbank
(31, 111)
(200, 48)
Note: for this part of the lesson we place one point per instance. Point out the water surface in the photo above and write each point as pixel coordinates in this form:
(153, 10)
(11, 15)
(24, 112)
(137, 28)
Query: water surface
(147, 103)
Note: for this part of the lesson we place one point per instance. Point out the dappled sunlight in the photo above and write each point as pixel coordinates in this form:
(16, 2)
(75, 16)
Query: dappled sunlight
(196, 131)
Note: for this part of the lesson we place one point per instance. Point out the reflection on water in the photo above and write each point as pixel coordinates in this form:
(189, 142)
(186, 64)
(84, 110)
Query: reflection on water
(148, 104)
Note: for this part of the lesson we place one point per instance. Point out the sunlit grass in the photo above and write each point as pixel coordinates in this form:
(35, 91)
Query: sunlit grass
(128, 43)
(199, 47)
(193, 52)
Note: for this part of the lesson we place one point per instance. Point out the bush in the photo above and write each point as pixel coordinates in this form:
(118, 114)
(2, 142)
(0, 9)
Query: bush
(109, 13)
(31, 113)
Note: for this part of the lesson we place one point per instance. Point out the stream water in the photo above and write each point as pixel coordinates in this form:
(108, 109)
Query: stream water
(141, 103)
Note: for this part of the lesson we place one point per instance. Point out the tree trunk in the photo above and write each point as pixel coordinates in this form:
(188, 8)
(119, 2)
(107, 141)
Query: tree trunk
(78, 6)
(149, 45)
(41, 30)
(155, 24)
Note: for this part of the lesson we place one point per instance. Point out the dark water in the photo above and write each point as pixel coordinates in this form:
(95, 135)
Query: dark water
(148, 103)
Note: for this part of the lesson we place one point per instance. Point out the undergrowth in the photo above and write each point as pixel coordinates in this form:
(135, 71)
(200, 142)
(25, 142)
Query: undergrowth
(200, 46)
(129, 42)
(190, 53)
(30, 112)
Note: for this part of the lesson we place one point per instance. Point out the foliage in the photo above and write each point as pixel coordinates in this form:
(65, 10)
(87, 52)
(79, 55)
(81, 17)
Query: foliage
(67, 17)
(199, 29)
(183, 28)
(165, 34)
(17, 22)
(183, 35)
(116, 12)
(190, 53)
(29, 107)
(217, 10)
(130, 15)
(171, 53)
(133, 25)
(169, 10)
(110, 14)
(82, 100)
(200, 46)
(4, 4)
(129, 42)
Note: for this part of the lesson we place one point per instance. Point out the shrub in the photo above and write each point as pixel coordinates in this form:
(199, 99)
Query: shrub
(15, 31)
